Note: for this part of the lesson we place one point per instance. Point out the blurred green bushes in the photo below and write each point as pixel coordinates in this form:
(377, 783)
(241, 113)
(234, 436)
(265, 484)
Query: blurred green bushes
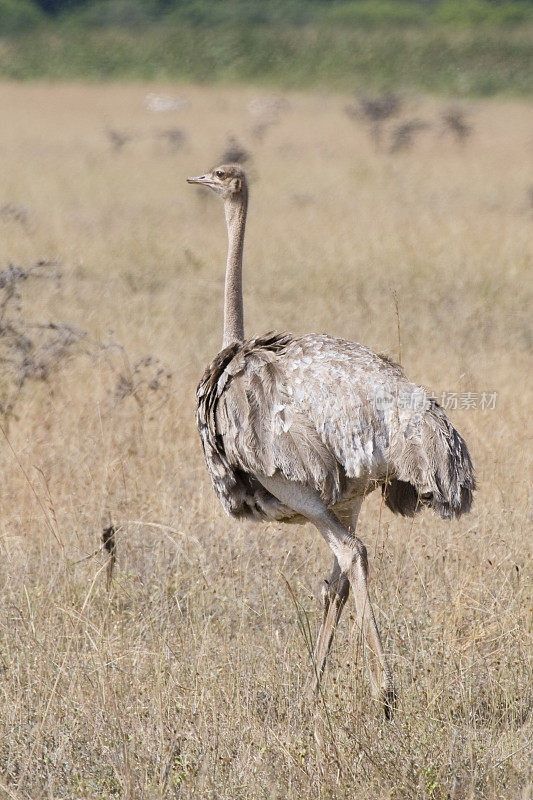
(462, 46)
(476, 12)
(19, 15)
(462, 13)
(374, 14)
(367, 13)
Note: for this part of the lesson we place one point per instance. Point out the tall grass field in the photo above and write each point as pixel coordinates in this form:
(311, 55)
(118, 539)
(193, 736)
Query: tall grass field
(183, 677)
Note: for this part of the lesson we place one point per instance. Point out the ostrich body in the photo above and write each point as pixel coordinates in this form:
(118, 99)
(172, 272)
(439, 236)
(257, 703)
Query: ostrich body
(298, 428)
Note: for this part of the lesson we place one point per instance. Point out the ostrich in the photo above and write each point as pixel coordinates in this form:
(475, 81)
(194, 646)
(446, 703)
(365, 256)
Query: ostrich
(302, 428)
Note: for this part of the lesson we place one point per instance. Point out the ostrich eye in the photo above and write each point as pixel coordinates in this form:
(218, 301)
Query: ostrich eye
(220, 174)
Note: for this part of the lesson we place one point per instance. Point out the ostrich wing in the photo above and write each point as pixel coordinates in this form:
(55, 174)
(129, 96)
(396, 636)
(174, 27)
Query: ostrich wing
(320, 410)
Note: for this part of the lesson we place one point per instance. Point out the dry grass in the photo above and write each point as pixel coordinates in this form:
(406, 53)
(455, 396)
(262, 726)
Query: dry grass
(186, 681)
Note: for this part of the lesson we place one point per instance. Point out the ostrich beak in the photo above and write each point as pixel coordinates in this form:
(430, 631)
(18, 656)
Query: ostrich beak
(202, 179)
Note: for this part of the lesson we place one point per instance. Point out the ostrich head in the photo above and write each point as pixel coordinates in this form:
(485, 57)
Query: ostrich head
(228, 181)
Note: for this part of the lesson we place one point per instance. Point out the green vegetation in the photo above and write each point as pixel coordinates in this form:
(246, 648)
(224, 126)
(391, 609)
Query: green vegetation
(469, 47)
(19, 15)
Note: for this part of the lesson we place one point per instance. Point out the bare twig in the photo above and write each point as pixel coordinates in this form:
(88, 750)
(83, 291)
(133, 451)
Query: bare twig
(374, 112)
(110, 544)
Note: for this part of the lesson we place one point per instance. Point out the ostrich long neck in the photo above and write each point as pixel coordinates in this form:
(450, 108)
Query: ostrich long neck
(233, 309)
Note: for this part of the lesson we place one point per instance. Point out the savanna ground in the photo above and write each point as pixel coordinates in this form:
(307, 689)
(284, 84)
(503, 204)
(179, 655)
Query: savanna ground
(186, 679)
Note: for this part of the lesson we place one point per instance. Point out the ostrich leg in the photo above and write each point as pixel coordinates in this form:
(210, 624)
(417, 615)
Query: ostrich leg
(353, 563)
(335, 592)
(350, 554)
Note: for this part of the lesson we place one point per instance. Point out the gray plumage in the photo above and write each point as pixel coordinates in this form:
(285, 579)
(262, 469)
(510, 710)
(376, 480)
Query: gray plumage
(304, 427)
(331, 414)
